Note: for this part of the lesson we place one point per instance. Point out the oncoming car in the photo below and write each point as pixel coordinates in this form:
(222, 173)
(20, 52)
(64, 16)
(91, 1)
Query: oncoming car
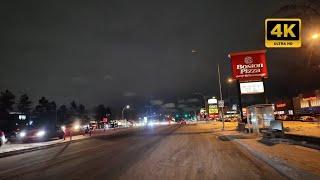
(39, 133)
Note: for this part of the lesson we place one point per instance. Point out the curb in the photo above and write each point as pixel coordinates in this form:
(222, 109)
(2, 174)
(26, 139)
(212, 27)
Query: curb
(22, 151)
(279, 165)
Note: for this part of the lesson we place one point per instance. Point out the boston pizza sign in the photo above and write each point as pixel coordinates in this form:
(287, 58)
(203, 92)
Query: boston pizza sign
(249, 66)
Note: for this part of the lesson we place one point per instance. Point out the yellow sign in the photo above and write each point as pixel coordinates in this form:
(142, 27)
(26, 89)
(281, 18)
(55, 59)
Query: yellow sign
(283, 33)
(213, 109)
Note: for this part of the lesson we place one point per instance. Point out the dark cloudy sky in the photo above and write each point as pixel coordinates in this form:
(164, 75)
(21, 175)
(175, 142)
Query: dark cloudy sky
(116, 51)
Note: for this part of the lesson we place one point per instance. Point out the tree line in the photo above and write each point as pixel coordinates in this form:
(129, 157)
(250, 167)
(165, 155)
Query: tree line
(46, 109)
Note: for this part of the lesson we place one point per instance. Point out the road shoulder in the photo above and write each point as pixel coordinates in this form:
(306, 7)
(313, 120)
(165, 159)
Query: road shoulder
(292, 161)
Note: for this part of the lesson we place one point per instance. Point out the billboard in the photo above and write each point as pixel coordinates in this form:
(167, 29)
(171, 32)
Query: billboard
(248, 66)
(251, 87)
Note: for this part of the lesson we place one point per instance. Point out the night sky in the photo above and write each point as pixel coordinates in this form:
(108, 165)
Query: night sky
(119, 51)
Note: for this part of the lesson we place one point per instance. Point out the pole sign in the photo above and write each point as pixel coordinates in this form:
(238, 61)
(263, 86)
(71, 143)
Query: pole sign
(221, 103)
(251, 87)
(213, 107)
(249, 66)
(213, 100)
(213, 110)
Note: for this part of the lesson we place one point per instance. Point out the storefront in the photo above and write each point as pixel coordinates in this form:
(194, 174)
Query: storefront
(307, 103)
(283, 107)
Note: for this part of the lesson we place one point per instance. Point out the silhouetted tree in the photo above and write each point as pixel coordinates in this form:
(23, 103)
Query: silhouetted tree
(81, 109)
(73, 108)
(46, 110)
(43, 106)
(24, 104)
(62, 114)
(109, 113)
(7, 100)
(52, 106)
(100, 112)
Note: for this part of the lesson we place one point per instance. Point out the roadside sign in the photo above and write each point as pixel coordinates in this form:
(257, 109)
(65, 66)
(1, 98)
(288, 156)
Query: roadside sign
(213, 109)
(221, 103)
(252, 87)
(283, 33)
(249, 65)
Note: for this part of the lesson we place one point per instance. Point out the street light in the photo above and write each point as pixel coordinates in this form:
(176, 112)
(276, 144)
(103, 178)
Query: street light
(315, 36)
(230, 80)
(125, 107)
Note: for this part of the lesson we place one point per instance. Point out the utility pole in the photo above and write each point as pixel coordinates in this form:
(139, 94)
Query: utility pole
(221, 98)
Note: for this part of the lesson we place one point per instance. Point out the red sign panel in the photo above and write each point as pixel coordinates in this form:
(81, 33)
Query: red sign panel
(105, 120)
(247, 66)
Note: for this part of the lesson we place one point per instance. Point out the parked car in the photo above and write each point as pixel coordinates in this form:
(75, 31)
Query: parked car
(2, 138)
(308, 119)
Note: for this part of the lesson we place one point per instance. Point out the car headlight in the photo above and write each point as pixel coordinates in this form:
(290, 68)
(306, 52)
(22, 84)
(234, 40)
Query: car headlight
(22, 134)
(41, 133)
(76, 127)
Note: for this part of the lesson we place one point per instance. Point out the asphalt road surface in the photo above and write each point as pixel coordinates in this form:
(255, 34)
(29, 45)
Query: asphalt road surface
(164, 152)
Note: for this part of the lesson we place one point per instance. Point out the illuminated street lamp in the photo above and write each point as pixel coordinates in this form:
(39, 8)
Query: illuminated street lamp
(125, 107)
(230, 80)
(315, 36)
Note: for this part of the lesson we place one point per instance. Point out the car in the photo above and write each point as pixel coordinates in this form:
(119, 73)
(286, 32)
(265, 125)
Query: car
(39, 133)
(183, 122)
(308, 119)
(2, 138)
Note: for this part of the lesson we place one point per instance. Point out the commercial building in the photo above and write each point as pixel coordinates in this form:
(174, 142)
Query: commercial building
(284, 107)
(307, 103)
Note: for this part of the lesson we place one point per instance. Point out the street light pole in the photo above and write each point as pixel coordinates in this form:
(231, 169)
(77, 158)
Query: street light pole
(125, 107)
(220, 89)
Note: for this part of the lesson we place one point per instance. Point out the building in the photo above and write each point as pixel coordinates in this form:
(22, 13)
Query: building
(307, 103)
(284, 107)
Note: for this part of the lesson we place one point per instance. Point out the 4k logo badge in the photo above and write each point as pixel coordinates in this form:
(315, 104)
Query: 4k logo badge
(283, 33)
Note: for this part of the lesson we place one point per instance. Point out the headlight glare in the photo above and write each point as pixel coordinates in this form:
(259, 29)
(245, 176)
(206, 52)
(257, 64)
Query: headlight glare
(41, 133)
(22, 134)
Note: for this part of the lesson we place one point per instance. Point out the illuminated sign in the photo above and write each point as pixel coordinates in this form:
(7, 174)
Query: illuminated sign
(283, 33)
(231, 112)
(234, 107)
(309, 98)
(213, 109)
(251, 87)
(22, 117)
(202, 110)
(212, 101)
(249, 65)
(281, 105)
